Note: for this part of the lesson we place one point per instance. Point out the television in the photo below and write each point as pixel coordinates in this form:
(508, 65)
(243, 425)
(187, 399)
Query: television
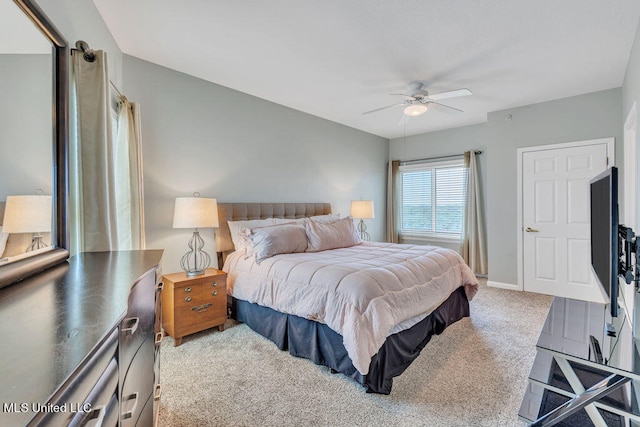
(604, 233)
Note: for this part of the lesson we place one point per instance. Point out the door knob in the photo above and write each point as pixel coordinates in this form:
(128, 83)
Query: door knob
(531, 230)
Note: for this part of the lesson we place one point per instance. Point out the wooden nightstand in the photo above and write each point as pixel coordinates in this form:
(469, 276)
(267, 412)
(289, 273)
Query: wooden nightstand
(192, 304)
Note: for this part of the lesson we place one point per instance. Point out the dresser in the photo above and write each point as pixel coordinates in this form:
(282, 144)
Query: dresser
(586, 370)
(80, 343)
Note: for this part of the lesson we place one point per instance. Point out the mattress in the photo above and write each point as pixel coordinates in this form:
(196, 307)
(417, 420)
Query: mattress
(364, 293)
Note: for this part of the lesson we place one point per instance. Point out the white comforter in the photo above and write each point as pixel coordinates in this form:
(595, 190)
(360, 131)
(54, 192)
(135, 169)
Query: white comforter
(361, 292)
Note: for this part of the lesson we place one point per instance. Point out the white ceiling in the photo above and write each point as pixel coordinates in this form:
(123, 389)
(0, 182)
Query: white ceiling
(336, 58)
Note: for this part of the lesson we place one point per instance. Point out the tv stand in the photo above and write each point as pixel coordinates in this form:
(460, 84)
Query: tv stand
(586, 369)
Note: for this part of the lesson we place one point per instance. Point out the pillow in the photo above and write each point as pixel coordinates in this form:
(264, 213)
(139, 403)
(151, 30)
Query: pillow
(325, 218)
(300, 221)
(303, 220)
(276, 239)
(335, 234)
(236, 227)
(3, 241)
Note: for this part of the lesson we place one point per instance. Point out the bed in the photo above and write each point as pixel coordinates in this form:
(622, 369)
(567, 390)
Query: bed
(363, 309)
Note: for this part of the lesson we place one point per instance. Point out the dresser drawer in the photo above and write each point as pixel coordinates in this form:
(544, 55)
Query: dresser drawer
(139, 322)
(80, 386)
(138, 384)
(102, 400)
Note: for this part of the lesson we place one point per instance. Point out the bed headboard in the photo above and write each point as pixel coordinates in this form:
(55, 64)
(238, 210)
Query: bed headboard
(245, 211)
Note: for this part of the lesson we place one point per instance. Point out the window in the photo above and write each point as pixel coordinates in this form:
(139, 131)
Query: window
(433, 199)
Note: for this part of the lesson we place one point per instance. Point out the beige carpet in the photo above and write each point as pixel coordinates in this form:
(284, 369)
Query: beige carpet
(474, 374)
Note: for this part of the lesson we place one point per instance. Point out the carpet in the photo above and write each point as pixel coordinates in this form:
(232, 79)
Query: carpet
(474, 374)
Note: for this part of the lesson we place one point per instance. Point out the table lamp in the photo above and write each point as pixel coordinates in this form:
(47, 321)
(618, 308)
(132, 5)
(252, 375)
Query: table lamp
(195, 212)
(28, 214)
(362, 209)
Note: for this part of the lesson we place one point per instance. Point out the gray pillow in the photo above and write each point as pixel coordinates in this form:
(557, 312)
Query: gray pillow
(336, 234)
(277, 239)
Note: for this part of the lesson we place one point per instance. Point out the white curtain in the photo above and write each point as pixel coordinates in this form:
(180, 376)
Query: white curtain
(129, 185)
(474, 249)
(106, 189)
(393, 219)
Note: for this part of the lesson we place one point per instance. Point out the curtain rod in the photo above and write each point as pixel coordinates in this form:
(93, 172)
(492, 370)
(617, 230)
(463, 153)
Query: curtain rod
(89, 56)
(83, 47)
(115, 88)
(451, 156)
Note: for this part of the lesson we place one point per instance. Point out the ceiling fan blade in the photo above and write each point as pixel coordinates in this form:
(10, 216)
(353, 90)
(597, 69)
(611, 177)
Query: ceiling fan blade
(450, 94)
(442, 105)
(383, 108)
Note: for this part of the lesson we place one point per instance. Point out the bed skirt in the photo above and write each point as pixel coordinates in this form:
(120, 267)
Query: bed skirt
(320, 344)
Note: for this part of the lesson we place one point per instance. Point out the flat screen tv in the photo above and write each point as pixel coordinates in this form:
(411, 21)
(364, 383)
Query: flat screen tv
(604, 233)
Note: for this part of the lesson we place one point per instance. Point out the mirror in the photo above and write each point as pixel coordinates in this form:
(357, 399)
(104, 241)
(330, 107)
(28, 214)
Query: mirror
(31, 103)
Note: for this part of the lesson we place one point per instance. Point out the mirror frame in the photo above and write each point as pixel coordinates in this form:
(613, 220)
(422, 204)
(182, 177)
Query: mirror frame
(16, 271)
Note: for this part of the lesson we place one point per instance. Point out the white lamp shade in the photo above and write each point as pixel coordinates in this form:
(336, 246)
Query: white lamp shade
(195, 212)
(362, 209)
(27, 214)
(415, 109)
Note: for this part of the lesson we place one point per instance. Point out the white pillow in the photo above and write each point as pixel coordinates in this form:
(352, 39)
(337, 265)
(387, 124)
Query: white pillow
(3, 241)
(276, 239)
(340, 233)
(236, 227)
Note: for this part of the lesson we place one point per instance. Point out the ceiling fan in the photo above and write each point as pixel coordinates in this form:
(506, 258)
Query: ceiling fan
(418, 99)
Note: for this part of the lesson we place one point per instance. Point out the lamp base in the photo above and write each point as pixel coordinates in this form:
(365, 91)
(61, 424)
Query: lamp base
(36, 243)
(194, 273)
(196, 261)
(362, 231)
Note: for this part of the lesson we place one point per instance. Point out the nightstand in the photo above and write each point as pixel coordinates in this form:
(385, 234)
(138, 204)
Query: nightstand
(192, 304)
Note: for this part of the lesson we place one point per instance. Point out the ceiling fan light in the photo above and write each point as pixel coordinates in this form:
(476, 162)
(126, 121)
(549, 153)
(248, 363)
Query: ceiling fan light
(415, 109)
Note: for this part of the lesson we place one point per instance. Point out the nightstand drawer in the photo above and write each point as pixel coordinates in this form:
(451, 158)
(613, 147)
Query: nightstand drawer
(212, 309)
(199, 293)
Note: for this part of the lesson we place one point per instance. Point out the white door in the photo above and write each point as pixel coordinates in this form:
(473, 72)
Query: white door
(555, 220)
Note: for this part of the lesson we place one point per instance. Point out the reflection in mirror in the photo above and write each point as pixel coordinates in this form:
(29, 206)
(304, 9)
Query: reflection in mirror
(25, 127)
(39, 151)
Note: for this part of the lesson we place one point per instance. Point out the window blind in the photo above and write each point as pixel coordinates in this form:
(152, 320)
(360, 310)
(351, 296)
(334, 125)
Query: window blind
(433, 199)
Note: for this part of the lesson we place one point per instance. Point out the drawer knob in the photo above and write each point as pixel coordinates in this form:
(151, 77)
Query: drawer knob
(214, 293)
(157, 392)
(214, 284)
(96, 413)
(130, 325)
(187, 289)
(188, 299)
(130, 412)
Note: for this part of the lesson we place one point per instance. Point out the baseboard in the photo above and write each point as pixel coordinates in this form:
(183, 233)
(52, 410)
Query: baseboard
(503, 285)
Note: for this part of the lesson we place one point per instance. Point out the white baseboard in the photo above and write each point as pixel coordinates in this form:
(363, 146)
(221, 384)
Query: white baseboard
(503, 285)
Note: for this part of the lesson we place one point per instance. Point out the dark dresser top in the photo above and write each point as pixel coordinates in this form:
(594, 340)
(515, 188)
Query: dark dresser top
(50, 322)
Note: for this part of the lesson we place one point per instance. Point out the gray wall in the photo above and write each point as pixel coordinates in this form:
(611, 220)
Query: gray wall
(190, 125)
(631, 95)
(584, 117)
(589, 116)
(199, 136)
(26, 139)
